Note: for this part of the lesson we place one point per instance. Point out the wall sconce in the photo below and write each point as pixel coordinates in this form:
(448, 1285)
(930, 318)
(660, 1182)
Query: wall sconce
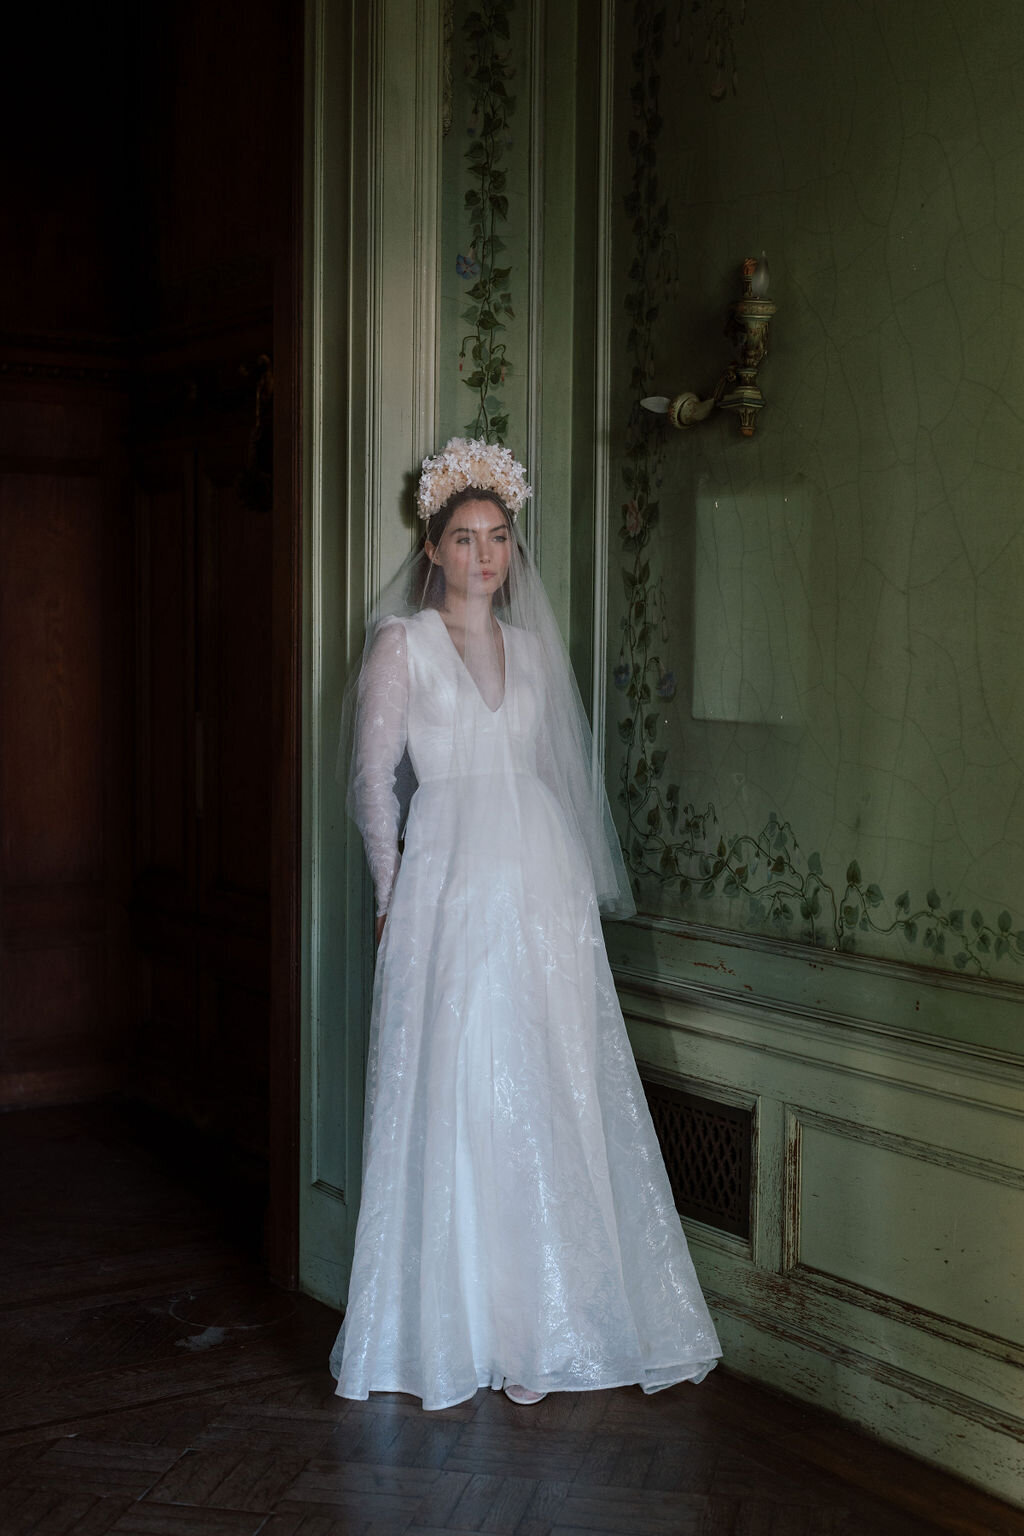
(737, 390)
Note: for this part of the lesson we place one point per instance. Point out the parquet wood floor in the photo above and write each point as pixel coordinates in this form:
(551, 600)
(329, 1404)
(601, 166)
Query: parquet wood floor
(154, 1385)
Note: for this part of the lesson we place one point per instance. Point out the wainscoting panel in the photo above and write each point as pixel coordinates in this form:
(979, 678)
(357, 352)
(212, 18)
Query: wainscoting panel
(926, 1225)
(883, 1276)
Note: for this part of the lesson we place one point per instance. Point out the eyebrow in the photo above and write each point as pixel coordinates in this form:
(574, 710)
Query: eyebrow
(498, 528)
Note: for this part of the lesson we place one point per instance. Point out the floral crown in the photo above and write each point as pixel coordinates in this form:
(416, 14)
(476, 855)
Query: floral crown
(465, 462)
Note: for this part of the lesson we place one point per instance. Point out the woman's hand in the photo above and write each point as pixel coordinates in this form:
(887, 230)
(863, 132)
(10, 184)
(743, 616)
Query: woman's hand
(382, 919)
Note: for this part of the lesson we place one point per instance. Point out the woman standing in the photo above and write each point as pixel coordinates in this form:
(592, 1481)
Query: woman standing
(516, 1228)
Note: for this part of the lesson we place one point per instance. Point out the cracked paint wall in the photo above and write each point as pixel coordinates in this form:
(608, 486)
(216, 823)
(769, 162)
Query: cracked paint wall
(816, 707)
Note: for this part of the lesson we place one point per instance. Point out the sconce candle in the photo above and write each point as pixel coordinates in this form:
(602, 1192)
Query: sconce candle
(760, 277)
(737, 390)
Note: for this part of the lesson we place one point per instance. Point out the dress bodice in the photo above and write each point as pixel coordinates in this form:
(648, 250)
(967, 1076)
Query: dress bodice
(451, 732)
(418, 701)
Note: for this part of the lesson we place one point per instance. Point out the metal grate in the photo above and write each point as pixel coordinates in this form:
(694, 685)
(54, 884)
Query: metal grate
(707, 1150)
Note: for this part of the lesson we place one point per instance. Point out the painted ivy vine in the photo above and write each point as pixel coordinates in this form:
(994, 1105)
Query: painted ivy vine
(489, 67)
(640, 672)
(667, 842)
(785, 891)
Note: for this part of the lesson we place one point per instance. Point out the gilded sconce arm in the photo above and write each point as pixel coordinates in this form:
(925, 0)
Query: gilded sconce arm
(737, 389)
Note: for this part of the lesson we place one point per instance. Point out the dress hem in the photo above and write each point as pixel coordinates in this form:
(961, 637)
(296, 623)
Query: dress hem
(696, 1373)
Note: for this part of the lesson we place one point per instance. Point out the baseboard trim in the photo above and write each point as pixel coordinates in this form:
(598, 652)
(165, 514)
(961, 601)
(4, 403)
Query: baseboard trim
(947, 1429)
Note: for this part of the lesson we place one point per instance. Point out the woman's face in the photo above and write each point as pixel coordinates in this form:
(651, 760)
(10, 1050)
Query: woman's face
(474, 550)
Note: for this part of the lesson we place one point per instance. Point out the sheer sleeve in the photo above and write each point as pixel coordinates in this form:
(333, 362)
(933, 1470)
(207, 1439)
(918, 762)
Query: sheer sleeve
(381, 720)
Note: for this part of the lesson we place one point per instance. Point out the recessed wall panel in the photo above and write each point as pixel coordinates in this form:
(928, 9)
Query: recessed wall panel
(931, 1231)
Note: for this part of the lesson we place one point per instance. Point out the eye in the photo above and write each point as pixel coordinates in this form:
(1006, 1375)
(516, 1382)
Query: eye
(462, 539)
(501, 538)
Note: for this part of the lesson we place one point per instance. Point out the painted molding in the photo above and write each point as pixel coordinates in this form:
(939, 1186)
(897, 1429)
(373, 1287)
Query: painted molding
(849, 1045)
(890, 998)
(958, 1405)
(373, 130)
(313, 432)
(997, 1346)
(759, 943)
(605, 361)
(799, 1119)
(537, 98)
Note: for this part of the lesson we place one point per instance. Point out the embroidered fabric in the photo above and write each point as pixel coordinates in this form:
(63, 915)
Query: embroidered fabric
(516, 1219)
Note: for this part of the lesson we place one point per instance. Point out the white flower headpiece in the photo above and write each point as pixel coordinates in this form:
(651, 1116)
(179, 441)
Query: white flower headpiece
(465, 462)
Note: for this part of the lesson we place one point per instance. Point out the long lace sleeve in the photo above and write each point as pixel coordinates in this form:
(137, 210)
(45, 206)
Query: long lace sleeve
(379, 747)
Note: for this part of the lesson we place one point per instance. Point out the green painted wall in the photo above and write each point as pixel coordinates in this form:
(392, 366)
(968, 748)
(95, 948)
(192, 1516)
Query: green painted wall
(517, 270)
(485, 244)
(827, 619)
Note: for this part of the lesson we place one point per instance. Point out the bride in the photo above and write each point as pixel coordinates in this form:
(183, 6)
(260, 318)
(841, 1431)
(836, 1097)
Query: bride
(517, 1227)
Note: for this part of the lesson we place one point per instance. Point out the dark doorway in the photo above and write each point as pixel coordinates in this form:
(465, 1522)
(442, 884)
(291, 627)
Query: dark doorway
(150, 582)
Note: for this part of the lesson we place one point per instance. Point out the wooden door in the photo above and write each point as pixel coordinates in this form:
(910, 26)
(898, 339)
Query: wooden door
(204, 760)
(64, 738)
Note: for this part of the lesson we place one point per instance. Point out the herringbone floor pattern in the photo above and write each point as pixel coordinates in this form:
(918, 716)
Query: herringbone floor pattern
(154, 1385)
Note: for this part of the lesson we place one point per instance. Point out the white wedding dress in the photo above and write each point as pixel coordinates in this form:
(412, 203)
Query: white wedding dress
(516, 1219)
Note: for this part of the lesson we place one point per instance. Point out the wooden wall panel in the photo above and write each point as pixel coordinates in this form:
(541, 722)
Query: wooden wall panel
(51, 702)
(165, 757)
(71, 225)
(65, 797)
(235, 702)
(167, 246)
(202, 855)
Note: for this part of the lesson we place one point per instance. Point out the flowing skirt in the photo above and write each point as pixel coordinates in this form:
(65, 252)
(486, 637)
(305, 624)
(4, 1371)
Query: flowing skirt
(516, 1220)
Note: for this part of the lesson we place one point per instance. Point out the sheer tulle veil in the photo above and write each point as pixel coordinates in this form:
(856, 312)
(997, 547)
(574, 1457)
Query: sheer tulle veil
(526, 637)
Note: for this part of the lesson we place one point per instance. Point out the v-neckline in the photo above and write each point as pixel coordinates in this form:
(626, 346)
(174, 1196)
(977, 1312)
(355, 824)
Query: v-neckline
(504, 664)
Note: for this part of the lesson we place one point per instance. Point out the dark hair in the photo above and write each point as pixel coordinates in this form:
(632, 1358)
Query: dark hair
(426, 584)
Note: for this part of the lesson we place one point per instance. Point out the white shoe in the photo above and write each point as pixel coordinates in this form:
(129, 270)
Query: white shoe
(523, 1396)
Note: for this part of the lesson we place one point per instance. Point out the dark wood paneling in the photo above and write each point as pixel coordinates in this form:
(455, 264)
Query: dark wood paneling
(216, 128)
(64, 772)
(70, 204)
(154, 237)
(164, 618)
(51, 620)
(201, 895)
(234, 675)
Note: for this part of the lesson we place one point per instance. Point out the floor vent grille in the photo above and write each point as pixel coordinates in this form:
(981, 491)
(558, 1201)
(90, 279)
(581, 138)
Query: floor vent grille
(707, 1150)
